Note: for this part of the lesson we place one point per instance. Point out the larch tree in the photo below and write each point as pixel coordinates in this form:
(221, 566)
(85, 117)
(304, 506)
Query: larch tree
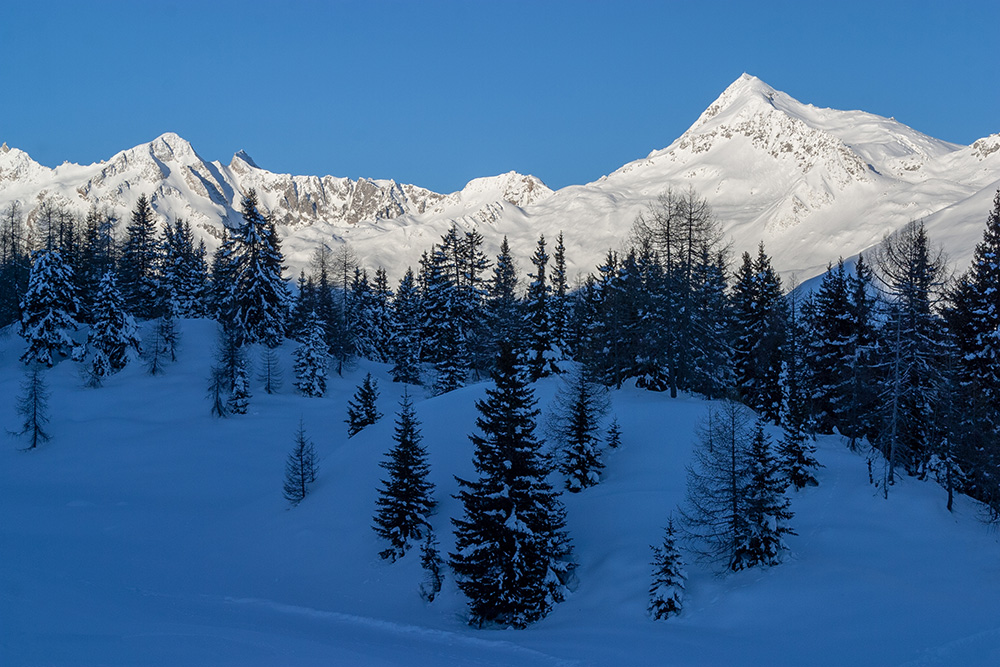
(300, 467)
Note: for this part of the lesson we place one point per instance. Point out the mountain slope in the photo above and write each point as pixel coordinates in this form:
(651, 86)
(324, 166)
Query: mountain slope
(147, 532)
(812, 183)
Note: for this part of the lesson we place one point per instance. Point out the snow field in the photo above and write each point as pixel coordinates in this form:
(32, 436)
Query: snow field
(149, 533)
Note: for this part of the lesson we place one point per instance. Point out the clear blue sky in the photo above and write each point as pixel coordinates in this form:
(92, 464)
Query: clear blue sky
(438, 93)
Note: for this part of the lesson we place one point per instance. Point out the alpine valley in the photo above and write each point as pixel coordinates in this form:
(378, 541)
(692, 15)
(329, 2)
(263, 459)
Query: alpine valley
(813, 184)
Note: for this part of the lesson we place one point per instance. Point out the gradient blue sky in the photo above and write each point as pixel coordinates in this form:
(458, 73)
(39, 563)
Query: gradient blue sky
(438, 93)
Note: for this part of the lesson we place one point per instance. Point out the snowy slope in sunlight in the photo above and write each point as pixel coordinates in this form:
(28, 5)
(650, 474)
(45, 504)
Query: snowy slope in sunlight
(148, 533)
(812, 183)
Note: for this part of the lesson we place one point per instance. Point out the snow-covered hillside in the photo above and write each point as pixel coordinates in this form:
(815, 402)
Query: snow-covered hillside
(149, 533)
(812, 183)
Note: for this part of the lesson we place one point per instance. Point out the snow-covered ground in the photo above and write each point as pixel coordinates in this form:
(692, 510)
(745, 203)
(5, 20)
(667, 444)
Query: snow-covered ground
(149, 533)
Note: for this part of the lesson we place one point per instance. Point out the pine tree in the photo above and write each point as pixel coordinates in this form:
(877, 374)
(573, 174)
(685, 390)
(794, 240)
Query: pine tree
(139, 261)
(362, 410)
(114, 333)
(433, 567)
(711, 354)
(511, 551)
(261, 297)
(300, 467)
(405, 498)
(49, 309)
(666, 594)
(310, 365)
(767, 510)
(33, 406)
(579, 407)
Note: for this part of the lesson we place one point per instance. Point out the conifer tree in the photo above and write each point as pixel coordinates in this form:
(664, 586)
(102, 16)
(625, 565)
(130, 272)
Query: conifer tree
(49, 309)
(759, 322)
(796, 452)
(33, 406)
(614, 437)
(579, 407)
(140, 259)
(300, 467)
(537, 319)
(239, 396)
(714, 516)
(218, 391)
(405, 499)
(362, 410)
(114, 333)
(310, 365)
(912, 343)
(96, 255)
(511, 551)
(270, 371)
(767, 508)
(261, 297)
(222, 288)
(502, 305)
(666, 594)
(830, 349)
(558, 309)
(15, 262)
(433, 567)
(711, 353)
(405, 344)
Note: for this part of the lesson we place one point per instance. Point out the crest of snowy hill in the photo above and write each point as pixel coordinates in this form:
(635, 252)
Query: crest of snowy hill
(813, 184)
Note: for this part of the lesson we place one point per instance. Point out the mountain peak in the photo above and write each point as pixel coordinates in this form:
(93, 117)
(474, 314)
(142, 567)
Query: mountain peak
(4, 148)
(243, 156)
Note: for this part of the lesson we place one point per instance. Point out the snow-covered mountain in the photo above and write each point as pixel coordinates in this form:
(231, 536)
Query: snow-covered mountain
(812, 183)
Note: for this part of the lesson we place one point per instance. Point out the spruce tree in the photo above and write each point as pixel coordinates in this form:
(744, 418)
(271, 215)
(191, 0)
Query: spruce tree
(759, 323)
(433, 567)
(503, 314)
(579, 407)
(114, 333)
(140, 258)
(614, 436)
(261, 297)
(537, 319)
(310, 365)
(362, 410)
(49, 309)
(666, 594)
(405, 499)
(239, 396)
(33, 406)
(767, 510)
(405, 345)
(218, 391)
(511, 550)
(222, 287)
(15, 263)
(300, 467)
